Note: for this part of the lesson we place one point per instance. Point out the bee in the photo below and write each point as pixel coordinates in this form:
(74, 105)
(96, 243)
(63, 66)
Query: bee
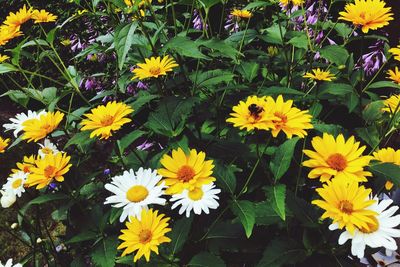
(255, 110)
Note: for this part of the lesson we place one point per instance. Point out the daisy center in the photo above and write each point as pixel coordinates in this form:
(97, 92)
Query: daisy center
(47, 150)
(281, 116)
(50, 171)
(137, 193)
(145, 236)
(155, 70)
(186, 173)
(26, 168)
(16, 184)
(47, 128)
(346, 206)
(372, 227)
(107, 120)
(196, 194)
(337, 162)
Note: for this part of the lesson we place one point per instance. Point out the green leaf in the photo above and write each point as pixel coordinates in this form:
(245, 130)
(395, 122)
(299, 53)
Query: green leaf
(352, 101)
(302, 210)
(282, 158)
(128, 139)
(372, 111)
(123, 41)
(244, 209)
(226, 177)
(370, 135)
(332, 129)
(211, 78)
(280, 252)
(205, 259)
(266, 215)
(343, 30)
(81, 140)
(274, 34)
(170, 117)
(142, 99)
(244, 37)
(17, 96)
(105, 251)
(335, 54)
(249, 70)
(388, 171)
(277, 194)
(83, 236)
(184, 47)
(278, 90)
(6, 67)
(222, 47)
(300, 41)
(383, 84)
(340, 89)
(179, 234)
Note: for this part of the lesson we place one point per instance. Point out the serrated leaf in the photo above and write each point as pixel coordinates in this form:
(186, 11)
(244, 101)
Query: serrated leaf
(280, 252)
(205, 259)
(388, 171)
(335, 54)
(105, 251)
(179, 234)
(249, 70)
(211, 78)
(244, 209)
(185, 47)
(339, 89)
(282, 158)
(277, 195)
(226, 177)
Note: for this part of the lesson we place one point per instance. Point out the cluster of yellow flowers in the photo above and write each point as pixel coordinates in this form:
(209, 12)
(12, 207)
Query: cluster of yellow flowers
(266, 113)
(339, 164)
(11, 27)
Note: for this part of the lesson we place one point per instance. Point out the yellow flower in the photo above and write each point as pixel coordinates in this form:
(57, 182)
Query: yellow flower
(36, 129)
(106, 119)
(144, 235)
(66, 42)
(392, 104)
(338, 158)
(252, 114)
(3, 58)
(396, 52)
(3, 144)
(26, 165)
(154, 67)
(7, 33)
(320, 75)
(394, 75)
(46, 170)
(388, 155)
(369, 14)
(290, 120)
(185, 171)
(294, 2)
(43, 16)
(345, 203)
(244, 14)
(20, 17)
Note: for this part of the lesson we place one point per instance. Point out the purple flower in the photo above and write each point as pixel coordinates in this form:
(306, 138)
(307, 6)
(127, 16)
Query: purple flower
(133, 88)
(197, 21)
(145, 146)
(231, 24)
(106, 171)
(372, 61)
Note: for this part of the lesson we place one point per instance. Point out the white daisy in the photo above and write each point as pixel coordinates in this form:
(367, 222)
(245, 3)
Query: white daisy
(47, 148)
(15, 183)
(135, 191)
(10, 264)
(198, 200)
(379, 235)
(7, 199)
(19, 119)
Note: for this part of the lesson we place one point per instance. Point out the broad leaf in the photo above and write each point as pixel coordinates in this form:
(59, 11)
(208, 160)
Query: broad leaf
(282, 158)
(244, 209)
(205, 259)
(105, 251)
(123, 41)
(335, 54)
(179, 234)
(388, 171)
(280, 252)
(277, 194)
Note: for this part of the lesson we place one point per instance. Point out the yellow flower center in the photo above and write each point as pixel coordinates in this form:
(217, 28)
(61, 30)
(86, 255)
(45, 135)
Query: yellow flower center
(372, 227)
(137, 193)
(362, 15)
(47, 128)
(145, 236)
(196, 194)
(155, 70)
(346, 206)
(16, 184)
(26, 168)
(107, 120)
(186, 173)
(337, 162)
(47, 150)
(281, 116)
(49, 171)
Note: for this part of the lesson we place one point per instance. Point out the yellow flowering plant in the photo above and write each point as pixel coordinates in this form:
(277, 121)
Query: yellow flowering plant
(199, 133)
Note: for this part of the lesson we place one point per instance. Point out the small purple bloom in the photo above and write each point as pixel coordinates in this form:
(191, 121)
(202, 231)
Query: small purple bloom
(231, 24)
(145, 146)
(372, 61)
(197, 21)
(106, 171)
(52, 186)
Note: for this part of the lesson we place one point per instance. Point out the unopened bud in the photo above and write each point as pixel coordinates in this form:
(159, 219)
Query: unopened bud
(14, 226)
(39, 240)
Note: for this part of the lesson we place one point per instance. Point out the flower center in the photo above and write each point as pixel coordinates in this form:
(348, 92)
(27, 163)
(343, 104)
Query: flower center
(337, 162)
(145, 236)
(155, 71)
(281, 116)
(107, 120)
(16, 184)
(196, 194)
(362, 15)
(186, 173)
(47, 150)
(48, 128)
(346, 206)
(50, 171)
(137, 193)
(26, 168)
(372, 227)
